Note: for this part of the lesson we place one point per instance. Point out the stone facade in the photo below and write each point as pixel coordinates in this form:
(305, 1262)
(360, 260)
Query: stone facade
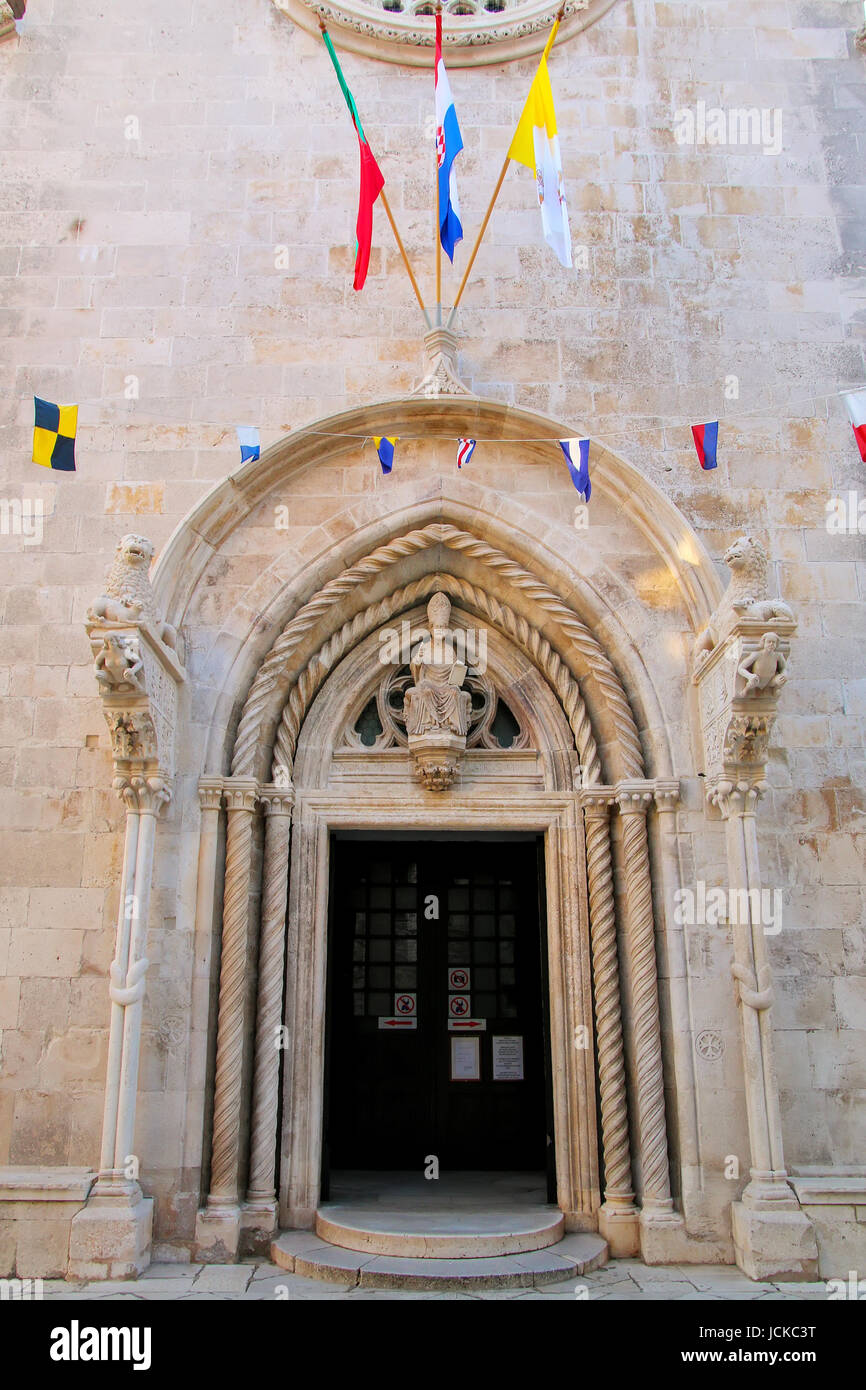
(180, 195)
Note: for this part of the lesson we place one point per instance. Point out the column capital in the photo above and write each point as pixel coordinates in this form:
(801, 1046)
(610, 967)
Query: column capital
(634, 796)
(143, 792)
(597, 801)
(210, 793)
(277, 800)
(666, 793)
(736, 798)
(241, 793)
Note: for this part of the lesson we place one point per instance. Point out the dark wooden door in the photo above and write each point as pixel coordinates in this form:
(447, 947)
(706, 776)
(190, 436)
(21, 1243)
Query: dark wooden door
(405, 916)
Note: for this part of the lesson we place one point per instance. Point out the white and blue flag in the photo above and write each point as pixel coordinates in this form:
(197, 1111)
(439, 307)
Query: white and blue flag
(449, 143)
(577, 457)
(248, 438)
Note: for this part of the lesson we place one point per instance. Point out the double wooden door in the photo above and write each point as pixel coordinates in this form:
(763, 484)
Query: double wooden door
(436, 1029)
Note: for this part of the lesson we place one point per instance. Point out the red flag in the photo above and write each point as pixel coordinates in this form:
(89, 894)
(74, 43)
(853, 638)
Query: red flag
(372, 184)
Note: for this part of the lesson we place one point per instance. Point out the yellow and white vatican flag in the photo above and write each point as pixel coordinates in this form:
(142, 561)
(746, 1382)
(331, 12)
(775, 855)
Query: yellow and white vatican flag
(536, 144)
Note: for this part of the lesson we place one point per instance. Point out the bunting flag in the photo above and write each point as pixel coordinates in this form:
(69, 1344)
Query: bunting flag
(465, 450)
(54, 431)
(856, 407)
(385, 449)
(706, 443)
(372, 181)
(579, 470)
(248, 438)
(536, 144)
(449, 143)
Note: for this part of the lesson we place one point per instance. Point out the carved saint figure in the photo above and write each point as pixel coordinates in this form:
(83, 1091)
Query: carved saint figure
(765, 666)
(436, 703)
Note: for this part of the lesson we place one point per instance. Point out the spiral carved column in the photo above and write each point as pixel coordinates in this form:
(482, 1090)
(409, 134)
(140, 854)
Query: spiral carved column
(261, 1194)
(218, 1227)
(618, 1216)
(643, 984)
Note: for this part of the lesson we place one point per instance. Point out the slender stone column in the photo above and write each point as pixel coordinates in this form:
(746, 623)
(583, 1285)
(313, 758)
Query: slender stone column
(656, 1201)
(118, 970)
(618, 1216)
(771, 1233)
(261, 1210)
(111, 1235)
(218, 1227)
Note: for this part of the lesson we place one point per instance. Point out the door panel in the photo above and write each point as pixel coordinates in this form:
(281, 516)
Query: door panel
(403, 914)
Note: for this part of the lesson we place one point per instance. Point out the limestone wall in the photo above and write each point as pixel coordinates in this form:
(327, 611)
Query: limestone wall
(178, 201)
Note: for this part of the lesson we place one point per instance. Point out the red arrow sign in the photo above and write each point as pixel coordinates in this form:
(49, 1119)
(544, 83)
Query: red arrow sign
(399, 1023)
(466, 1023)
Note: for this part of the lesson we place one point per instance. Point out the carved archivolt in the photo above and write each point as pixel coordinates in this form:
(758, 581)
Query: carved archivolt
(526, 637)
(277, 671)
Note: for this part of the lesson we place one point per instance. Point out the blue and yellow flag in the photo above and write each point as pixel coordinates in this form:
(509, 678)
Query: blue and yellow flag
(385, 449)
(54, 433)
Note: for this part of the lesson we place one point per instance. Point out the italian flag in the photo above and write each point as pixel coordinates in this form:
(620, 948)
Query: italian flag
(372, 181)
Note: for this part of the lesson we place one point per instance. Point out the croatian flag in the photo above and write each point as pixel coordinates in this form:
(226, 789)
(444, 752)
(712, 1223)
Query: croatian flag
(449, 143)
(465, 450)
(856, 407)
(578, 449)
(248, 438)
(707, 442)
(385, 449)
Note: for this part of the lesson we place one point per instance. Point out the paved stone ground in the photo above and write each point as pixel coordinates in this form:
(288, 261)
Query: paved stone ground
(621, 1279)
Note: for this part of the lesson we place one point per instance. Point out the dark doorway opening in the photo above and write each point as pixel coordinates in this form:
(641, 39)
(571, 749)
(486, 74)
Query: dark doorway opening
(437, 1037)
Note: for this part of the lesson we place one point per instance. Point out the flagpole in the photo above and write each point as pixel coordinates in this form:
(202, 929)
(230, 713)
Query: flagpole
(437, 228)
(547, 47)
(387, 206)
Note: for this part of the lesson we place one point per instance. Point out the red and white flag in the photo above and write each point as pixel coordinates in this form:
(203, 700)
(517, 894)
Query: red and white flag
(856, 407)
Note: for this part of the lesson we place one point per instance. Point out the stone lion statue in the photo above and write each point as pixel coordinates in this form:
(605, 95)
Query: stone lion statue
(128, 596)
(746, 596)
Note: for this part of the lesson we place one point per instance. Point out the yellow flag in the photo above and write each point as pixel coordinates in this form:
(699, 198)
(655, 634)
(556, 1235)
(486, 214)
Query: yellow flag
(536, 145)
(538, 114)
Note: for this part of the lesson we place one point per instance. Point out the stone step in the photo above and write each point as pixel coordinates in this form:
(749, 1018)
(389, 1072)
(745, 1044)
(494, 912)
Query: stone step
(305, 1253)
(455, 1235)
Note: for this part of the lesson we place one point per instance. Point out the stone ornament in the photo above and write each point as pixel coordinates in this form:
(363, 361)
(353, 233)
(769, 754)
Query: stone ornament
(746, 597)
(476, 31)
(710, 1045)
(118, 664)
(129, 597)
(436, 707)
(764, 666)
(442, 379)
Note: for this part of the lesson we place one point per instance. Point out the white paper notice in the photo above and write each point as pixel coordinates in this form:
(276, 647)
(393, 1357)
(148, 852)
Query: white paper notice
(507, 1058)
(465, 1059)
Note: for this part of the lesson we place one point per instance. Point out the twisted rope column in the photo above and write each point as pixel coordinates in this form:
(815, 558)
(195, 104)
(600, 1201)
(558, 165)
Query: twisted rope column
(240, 800)
(618, 1216)
(633, 800)
(261, 1192)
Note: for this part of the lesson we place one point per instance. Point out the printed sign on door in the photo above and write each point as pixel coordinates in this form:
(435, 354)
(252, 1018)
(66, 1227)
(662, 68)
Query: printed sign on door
(458, 977)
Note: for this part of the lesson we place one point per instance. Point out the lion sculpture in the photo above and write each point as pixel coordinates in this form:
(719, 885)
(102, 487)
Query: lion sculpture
(746, 596)
(129, 597)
